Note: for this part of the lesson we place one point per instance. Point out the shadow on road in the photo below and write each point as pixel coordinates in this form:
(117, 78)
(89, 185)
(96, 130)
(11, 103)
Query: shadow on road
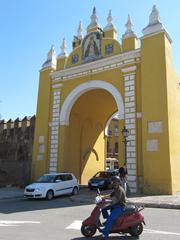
(124, 237)
(8, 206)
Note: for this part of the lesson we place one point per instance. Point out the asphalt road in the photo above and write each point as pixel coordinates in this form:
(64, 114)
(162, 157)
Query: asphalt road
(60, 219)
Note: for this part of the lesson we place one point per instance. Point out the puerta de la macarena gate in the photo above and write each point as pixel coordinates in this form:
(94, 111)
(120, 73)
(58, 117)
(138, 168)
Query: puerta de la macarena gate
(80, 92)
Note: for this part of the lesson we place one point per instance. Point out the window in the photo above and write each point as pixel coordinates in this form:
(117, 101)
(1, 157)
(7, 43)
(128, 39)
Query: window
(66, 177)
(109, 133)
(108, 147)
(116, 131)
(75, 59)
(109, 49)
(116, 148)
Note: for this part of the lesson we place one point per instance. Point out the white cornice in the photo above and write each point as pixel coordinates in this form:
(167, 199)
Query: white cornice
(116, 61)
(155, 33)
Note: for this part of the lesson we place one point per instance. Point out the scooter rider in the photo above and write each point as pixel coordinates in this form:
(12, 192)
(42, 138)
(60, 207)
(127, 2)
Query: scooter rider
(116, 208)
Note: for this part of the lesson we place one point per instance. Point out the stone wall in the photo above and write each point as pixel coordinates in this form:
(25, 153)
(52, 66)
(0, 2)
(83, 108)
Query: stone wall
(16, 144)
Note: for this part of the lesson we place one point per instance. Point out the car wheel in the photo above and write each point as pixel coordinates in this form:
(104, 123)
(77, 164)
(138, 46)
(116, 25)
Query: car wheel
(49, 195)
(75, 191)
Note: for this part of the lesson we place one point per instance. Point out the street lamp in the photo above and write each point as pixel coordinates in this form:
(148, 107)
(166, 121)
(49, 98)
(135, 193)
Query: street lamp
(125, 134)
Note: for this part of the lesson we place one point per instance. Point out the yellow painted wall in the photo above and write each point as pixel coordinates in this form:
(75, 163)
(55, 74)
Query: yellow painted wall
(42, 124)
(154, 108)
(129, 44)
(173, 93)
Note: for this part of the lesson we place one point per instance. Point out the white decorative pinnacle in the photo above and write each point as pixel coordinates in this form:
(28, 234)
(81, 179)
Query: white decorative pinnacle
(51, 59)
(154, 16)
(154, 25)
(129, 32)
(109, 25)
(109, 18)
(94, 19)
(63, 49)
(80, 31)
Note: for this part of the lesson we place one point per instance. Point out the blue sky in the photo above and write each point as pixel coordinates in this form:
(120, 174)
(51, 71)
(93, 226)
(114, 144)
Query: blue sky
(29, 27)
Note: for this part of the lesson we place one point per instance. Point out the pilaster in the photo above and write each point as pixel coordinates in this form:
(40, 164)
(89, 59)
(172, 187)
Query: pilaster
(130, 123)
(56, 94)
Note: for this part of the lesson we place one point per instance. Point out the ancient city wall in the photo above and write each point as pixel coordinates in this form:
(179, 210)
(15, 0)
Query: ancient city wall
(16, 143)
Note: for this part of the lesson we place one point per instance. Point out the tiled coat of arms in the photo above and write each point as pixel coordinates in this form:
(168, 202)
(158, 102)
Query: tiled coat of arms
(91, 47)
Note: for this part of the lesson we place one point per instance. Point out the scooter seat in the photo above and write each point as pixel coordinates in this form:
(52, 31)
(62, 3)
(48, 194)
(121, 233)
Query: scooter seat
(129, 209)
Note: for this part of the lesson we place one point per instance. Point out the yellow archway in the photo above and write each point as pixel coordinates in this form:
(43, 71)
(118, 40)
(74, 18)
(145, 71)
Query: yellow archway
(85, 137)
(79, 92)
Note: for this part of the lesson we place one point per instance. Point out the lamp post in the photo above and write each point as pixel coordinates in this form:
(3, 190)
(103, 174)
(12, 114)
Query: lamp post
(125, 134)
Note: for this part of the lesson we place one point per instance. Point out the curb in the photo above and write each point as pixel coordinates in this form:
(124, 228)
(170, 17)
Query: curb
(11, 197)
(143, 204)
(155, 205)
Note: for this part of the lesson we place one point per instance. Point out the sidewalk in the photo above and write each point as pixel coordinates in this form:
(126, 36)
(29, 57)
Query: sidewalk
(155, 201)
(11, 192)
(87, 196)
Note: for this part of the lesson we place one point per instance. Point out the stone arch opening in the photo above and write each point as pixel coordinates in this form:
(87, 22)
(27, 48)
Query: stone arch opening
(87, 86)
(86, 116)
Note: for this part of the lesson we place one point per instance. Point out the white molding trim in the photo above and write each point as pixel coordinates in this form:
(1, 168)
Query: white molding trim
(130, 123)
(104, 64)
(129, 69)
(57, 85)
(139, 114)
(84, 87)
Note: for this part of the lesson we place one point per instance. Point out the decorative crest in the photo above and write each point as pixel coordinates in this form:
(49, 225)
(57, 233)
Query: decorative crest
(51, 58)
(109, 22)
(51, 53)
(94, 19)
(129, 24)
(154, 16)
(109, 18)
(80, 31)
(155, 25)
(129, 32)
(63, 49)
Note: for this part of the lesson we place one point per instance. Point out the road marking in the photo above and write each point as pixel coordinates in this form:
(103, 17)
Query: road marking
(7, 223)
(160, 232)
(76, 225)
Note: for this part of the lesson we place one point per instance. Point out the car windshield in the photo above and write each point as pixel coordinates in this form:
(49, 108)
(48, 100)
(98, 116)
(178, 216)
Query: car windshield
(102, 175)
(46, 179)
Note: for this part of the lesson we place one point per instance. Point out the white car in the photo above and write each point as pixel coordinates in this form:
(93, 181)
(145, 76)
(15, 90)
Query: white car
(51, 185)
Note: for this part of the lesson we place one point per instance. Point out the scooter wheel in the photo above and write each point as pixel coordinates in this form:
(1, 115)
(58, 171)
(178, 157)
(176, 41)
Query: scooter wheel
(88, 231)
(136, 230)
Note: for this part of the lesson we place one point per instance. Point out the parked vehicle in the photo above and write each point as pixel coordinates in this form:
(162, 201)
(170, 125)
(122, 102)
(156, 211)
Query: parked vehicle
(130, 222)
(112, 163)
(51, 185)
(102, 180)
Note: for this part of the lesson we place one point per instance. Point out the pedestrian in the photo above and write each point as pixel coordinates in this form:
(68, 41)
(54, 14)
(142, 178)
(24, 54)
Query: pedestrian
(123, 173)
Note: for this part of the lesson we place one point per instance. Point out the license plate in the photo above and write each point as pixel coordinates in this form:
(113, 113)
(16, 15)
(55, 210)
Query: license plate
(94, 184)
(29, 194)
